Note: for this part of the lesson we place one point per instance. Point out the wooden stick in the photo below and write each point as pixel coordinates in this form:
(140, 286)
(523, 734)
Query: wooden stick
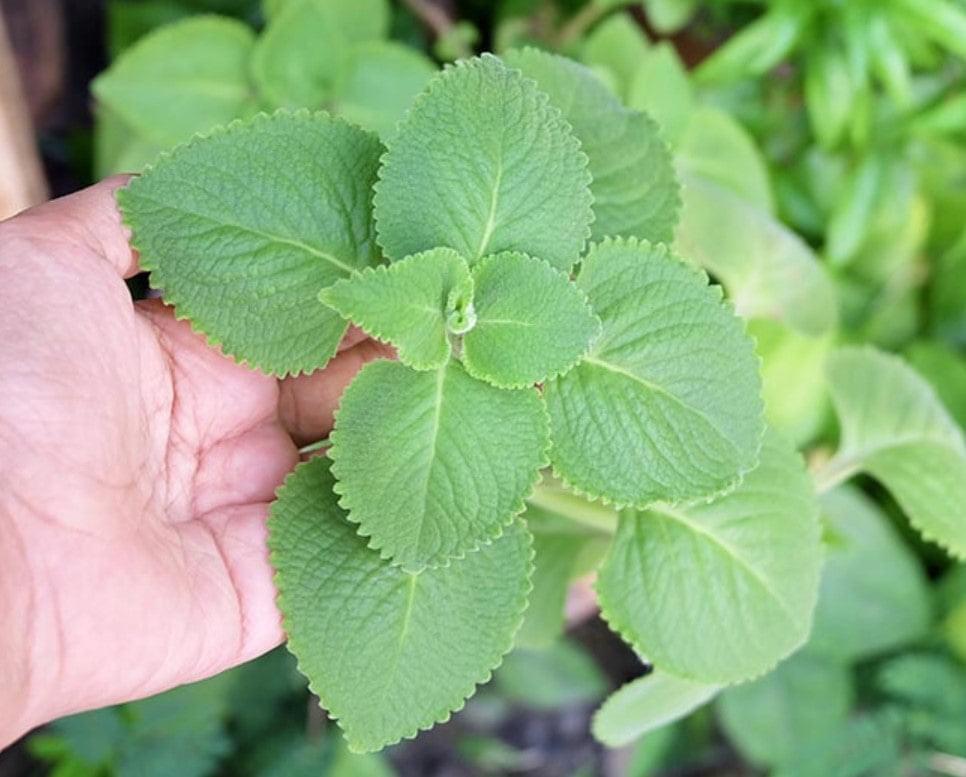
(22, 182)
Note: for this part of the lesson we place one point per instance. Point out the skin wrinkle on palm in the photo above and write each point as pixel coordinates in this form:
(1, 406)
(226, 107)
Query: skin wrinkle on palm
(120, 552)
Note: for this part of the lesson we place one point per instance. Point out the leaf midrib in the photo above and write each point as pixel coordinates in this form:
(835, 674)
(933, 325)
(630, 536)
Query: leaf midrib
(730, 551)
(657, 388)
(434, 444)
(273, 238)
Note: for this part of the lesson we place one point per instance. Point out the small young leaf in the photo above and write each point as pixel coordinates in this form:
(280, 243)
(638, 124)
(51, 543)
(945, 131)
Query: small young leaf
(646, 704)
(387, 651)
(634, 186)
(667, 405)
(407, 303)
(379, 83)
(532, 323)
(241, 230)
(434, 464)
(895, 428)
(874, 596)
(804, 700)
(719, 592)
(307, 45)
(483, 164)
(166, 99)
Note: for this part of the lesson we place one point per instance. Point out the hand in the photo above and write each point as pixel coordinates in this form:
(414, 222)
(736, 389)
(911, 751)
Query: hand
(136, 469)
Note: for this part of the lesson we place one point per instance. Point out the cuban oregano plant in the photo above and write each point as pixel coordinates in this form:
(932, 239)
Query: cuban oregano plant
(561, 374)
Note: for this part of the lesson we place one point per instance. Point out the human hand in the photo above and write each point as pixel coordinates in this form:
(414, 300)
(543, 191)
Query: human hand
(136, 468)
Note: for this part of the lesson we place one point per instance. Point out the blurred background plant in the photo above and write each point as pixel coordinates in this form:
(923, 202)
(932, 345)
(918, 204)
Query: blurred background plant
(821, 147)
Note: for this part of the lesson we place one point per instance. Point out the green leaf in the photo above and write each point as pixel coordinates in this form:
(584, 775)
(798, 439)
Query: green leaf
(634, 186)
(804, 700)
(719, 592)
(793, 379)
(532, 323)
(873, 596)
(945, 369)
(895, 428)
(483, 163)
(645, 704)
(307, 45)
(617, 45)
(714, 146)
(669, 16)
(768, 270)
(242, 229)
(117, 147)
(434, 464)
(387, 651)
(378, 84)
(667, 404)
(563, 550)
(166, 99)
(662, 90)
(561, 675)
(407, 303)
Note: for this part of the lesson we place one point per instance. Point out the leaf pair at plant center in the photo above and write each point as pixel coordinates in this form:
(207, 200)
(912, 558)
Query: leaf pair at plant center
(521, 322)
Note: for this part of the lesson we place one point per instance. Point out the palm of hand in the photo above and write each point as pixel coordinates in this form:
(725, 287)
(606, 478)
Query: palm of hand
(134, 518)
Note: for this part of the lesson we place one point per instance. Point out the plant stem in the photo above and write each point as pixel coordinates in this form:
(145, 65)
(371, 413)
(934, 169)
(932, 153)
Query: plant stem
(593, 515)
(437, 20)
(951, 765)
(832, 473)
(580, 22)
(315, 446)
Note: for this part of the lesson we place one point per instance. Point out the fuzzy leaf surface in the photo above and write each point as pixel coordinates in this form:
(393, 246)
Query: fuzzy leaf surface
(406, 303)
(532, 322)
(483, 163)
(634, 185)
(895, 428)
(433, 464)
(307, 46)
(646, 704)
(719, 592)
(242, 229)
(667, 404)
(388, 652)
(166, 99)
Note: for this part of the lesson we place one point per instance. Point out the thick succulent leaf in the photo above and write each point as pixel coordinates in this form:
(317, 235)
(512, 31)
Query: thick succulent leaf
(719, 592)
(483, 163)
(434, 464)
(561, 675)
(945, 369)
(532, 322)
(667, 404)
(646, 704)
(874, 596)
(804, 700)
(307, 46)
(407, 303)
(388, 652)
(166, 99)
(895, 428)
(378, 84)
(768, 270)
(634, 185)
(241, 230)
(118, 148)
(718, 148)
